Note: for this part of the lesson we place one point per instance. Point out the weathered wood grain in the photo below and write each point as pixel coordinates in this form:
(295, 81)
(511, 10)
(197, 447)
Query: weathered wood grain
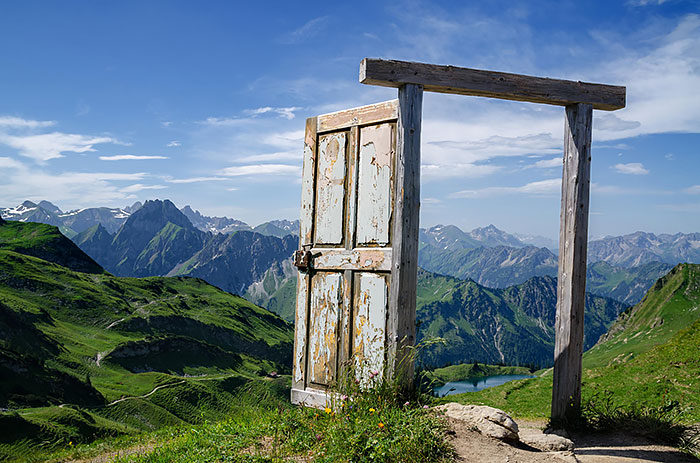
(374, 184)
(313, 398)
(330, 188)
(364, 115)
(475, 82)
(369, 330)
(345, 333)
(326, 307)
(573, 239)
(351, 205)
(301, 331)
(364, 259)
(402, 293)
(306, 220)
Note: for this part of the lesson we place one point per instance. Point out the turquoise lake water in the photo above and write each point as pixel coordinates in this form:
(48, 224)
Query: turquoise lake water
(475, 384)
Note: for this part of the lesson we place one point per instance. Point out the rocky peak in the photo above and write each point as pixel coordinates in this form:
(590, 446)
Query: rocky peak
(50, 207)
(134, 207)
(145, 223)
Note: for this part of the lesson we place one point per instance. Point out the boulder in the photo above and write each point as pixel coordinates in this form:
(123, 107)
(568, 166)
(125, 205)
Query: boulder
(489, 421)
(550, 442)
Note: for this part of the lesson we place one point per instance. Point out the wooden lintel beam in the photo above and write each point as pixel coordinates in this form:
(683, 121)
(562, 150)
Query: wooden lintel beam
(505, 86)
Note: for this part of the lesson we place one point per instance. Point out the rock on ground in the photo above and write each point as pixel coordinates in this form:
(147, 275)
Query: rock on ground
(489, 421)
(545, 442)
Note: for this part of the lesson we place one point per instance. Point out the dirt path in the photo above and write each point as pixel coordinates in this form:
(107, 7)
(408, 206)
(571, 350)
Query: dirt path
(145, 395)
(474, 447)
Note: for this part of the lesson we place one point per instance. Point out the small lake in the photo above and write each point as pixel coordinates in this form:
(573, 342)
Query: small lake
(475, 384)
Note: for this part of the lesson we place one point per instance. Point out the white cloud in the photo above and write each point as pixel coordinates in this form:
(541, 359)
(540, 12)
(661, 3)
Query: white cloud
(9, 163)
(453, 147)
(693, 190)
(287, 113)
(19, 123)
(288, 141)
(174, 144)
(261, 169)
(224, 121)
(130, 157)
(279, 156)
(617, 146)
(633, 168)
(78, 189)
(44, 147)
(646, 2)
(82, 108)
(549, 163)
(539, 188)
(197, 179)
(611, 123)
(166, 124)
(136, 187)
(597, 189)
(310, 29)
(449, 170)
(661, 82)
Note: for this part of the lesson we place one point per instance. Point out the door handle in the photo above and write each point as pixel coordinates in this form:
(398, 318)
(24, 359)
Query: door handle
(303, 259)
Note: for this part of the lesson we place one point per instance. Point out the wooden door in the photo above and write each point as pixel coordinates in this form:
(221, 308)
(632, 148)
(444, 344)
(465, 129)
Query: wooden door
(348, 191)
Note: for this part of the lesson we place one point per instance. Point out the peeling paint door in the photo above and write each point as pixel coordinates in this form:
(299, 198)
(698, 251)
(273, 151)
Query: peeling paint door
(346, 225)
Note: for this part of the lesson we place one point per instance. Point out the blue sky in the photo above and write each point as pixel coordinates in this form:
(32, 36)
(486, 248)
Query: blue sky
(204, 103)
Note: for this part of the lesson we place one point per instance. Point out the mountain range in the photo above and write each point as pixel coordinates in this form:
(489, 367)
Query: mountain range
(111, 219)
(512, 326)
(640, 248)
(620, 267)
(158, 240)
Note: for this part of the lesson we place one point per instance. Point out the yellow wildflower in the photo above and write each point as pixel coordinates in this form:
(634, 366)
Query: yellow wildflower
(328, 410)
(371, 410)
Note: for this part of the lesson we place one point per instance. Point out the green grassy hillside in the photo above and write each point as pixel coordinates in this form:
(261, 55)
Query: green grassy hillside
(46, 242)
(74, 344)
(512, 326)
(673, 303)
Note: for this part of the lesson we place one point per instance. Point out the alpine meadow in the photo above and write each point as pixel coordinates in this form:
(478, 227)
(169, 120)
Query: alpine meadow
(410, 231)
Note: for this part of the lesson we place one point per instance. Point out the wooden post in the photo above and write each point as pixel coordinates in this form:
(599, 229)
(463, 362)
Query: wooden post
(573, 243)
(401, 330)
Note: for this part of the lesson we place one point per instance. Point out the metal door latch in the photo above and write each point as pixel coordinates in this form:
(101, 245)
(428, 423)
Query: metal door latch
(302, 258)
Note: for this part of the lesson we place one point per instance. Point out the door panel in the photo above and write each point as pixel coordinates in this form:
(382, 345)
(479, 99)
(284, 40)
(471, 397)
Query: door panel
(369, 330)
(330, 188)
(326, 306)
(374, 184)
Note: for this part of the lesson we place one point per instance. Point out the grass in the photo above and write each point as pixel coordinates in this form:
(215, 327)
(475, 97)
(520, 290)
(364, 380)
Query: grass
(363, 423)
(72, 344)
(369, 425)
